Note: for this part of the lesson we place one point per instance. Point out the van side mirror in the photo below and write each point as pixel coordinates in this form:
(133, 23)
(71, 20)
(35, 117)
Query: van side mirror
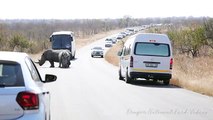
(51, 39)
(119, 53)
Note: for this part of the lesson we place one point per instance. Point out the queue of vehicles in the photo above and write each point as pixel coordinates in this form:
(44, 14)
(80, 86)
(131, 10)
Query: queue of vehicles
(144, 55)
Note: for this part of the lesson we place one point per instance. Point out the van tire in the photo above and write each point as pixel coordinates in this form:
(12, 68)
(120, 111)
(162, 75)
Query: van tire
(120, 76)
(166, 82)
(127, 78)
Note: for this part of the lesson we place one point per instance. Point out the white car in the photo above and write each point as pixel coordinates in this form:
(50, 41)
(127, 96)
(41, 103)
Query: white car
(108, 43)
(97, 51)
(22, 96)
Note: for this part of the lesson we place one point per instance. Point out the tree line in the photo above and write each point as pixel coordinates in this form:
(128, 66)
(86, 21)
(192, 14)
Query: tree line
(194, 39)
(33, 35)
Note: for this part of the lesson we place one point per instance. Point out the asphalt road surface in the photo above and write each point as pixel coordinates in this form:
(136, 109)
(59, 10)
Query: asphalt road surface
(90, 90)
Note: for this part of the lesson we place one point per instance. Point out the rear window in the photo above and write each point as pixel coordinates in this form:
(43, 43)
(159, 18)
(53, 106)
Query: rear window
(61, 41)
(10, 74)
(152, 49)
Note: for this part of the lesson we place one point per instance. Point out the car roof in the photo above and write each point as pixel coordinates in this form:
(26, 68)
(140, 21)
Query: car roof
(13, 56)
(63, 33)
(146, 37)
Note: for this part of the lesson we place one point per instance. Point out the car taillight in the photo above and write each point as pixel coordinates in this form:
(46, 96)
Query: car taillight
(131, 61)
(28, 100)
(171, 63)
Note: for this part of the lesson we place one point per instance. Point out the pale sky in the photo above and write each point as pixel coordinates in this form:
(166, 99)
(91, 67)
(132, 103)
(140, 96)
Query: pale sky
(89, 9)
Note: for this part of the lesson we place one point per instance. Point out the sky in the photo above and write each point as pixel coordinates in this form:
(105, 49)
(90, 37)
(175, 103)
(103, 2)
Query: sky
(101, 9)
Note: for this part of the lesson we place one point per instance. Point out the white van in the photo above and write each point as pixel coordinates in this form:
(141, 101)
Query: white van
(63, 40)
(148, 56)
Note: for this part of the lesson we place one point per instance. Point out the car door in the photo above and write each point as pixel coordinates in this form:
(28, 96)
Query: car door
(124, 61)
(44, 94)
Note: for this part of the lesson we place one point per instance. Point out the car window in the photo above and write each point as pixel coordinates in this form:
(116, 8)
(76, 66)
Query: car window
(97, 48)
(33, 70)
(10, 74)
(152, 49)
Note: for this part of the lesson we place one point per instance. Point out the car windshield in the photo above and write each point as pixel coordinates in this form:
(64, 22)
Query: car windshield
(61, 41)
(10, 74)
(152, 49)
(97, 48)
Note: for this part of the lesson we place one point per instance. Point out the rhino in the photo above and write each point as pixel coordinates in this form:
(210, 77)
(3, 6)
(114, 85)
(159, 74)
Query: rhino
(64, 59)
(61, 56)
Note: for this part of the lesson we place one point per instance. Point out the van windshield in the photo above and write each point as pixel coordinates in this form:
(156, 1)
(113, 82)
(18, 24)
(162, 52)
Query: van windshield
(61, 41)
(152, 49)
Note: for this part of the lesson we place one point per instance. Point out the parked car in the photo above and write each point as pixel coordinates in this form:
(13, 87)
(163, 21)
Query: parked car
(147, 56)
(114, 40)
(97, 51)
(22, 95)
(119, 36)
(108, 43)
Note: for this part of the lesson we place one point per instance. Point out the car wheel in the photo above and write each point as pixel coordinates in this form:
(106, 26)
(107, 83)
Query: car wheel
(128, 79)
(91, 55)
(166, 82)
(102, 56)
(120, 77)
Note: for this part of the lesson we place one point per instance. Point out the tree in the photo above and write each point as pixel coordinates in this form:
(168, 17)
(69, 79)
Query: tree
(188, 40)
(18, 41)
(208, 26)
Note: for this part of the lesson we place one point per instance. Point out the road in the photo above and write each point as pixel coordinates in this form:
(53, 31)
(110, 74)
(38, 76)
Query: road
(90, 90)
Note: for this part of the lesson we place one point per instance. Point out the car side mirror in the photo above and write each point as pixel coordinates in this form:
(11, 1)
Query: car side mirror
(49, 78)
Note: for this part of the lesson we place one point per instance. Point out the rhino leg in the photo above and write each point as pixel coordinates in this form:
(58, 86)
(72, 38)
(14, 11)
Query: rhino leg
(52, 63)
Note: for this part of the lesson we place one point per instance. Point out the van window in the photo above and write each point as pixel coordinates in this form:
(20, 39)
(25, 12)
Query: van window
(10, 74)
(152, 49)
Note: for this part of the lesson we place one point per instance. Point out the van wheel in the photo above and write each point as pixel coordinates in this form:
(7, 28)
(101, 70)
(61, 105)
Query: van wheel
(127, 78)
(166, 82)
(120, 77)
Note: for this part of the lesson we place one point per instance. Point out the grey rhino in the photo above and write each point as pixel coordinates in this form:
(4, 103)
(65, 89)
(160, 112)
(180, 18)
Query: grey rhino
(64, 59)
(53, 56)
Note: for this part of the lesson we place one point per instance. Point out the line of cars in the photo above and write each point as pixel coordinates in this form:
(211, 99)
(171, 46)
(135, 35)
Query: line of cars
(98, 51)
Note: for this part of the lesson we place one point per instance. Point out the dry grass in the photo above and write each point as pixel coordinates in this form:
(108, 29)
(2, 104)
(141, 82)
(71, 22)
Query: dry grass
(111, 55)
(193, 74)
